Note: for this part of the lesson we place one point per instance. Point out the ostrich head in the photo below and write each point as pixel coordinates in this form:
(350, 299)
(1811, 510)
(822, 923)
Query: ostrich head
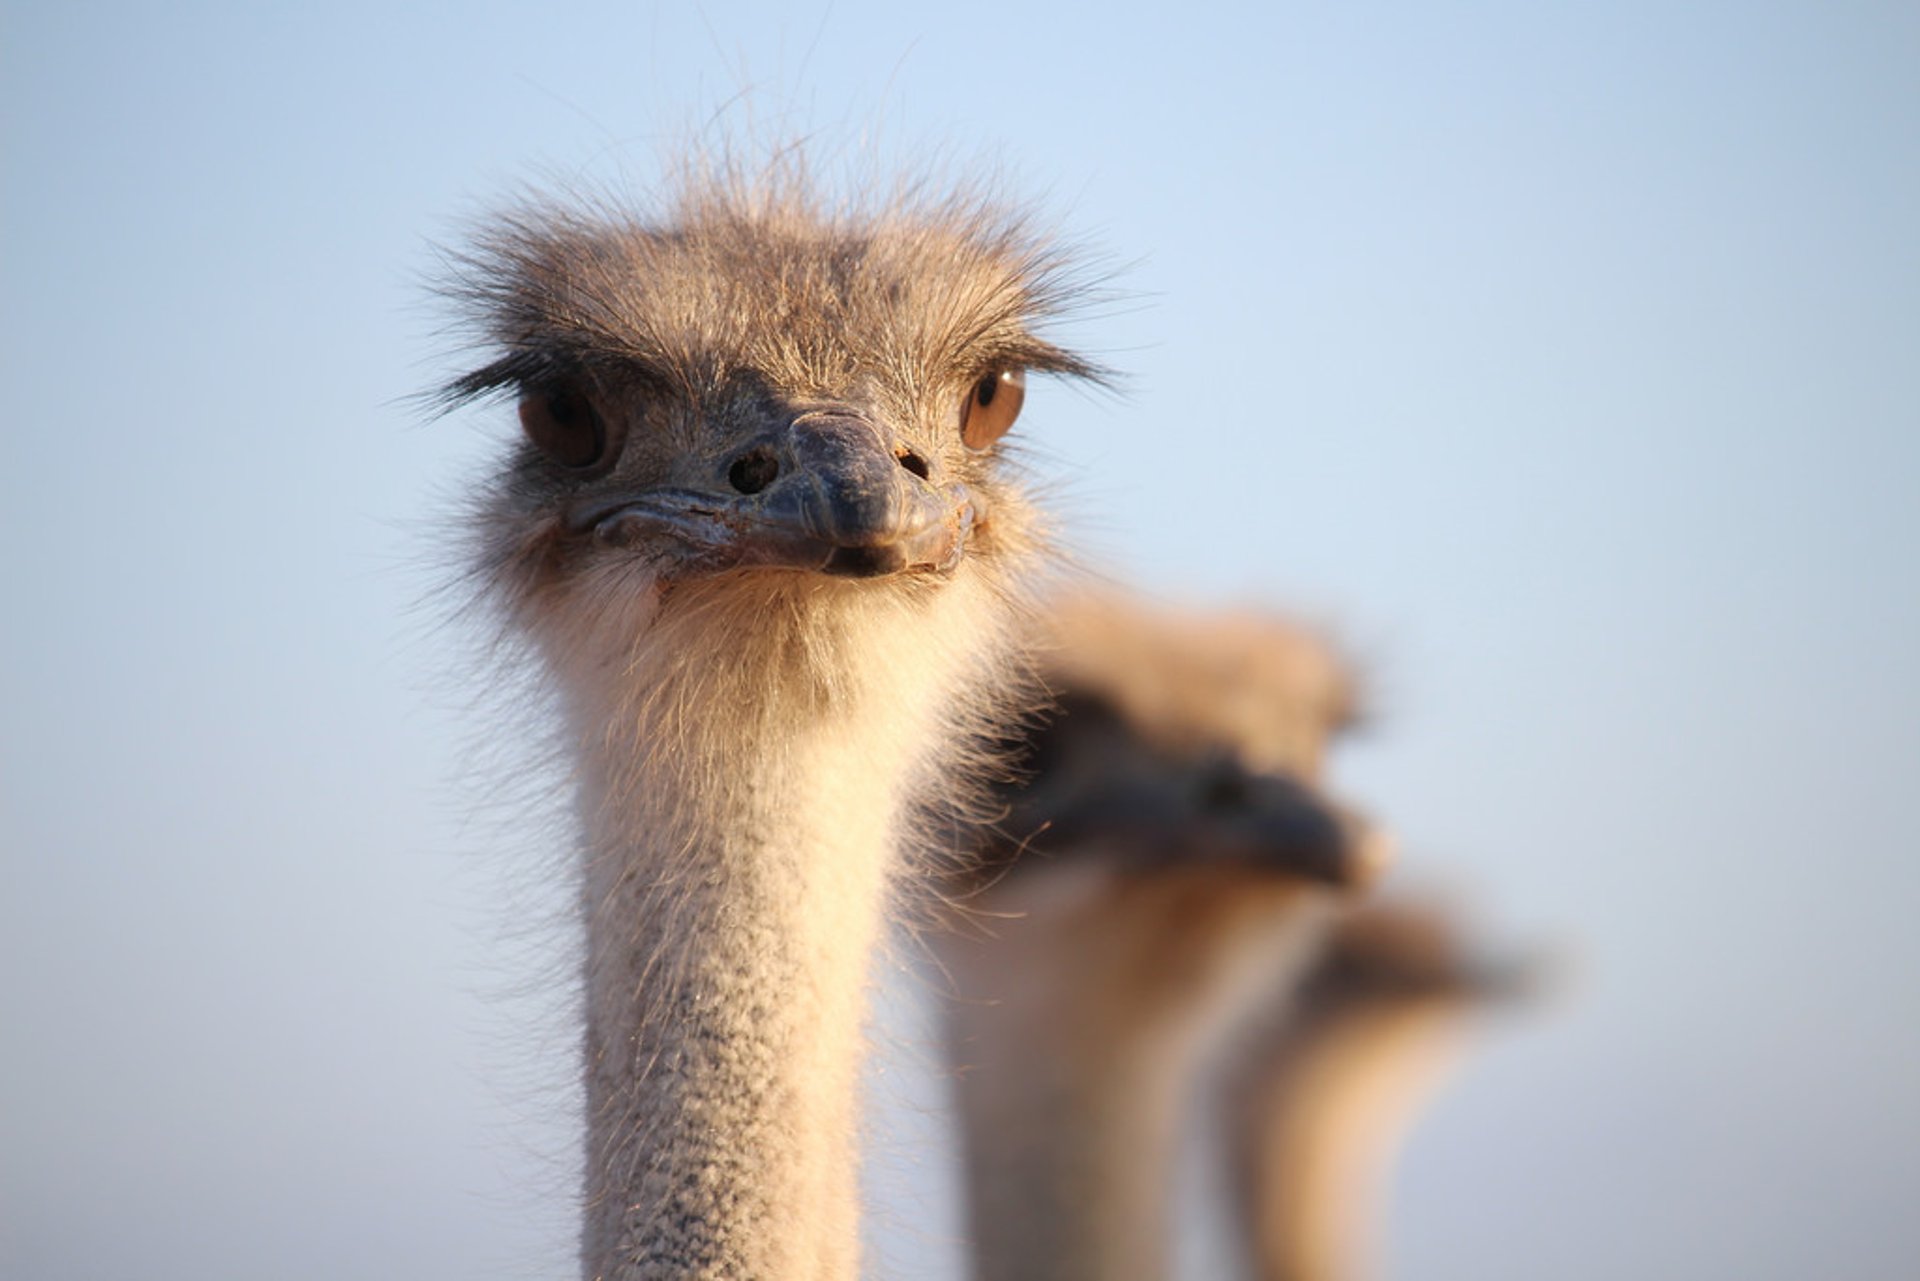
(751, 389)
(1189, 738)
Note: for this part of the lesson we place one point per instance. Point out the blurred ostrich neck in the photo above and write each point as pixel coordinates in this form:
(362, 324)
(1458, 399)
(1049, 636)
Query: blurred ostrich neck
(742, 805)
(1098, 1001)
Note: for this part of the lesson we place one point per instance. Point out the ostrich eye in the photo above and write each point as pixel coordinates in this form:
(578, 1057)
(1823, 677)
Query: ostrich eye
(992, 405)
(562, 424)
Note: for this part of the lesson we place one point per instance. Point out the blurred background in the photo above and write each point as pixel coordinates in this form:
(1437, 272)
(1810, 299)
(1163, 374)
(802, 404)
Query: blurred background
(1564, 359)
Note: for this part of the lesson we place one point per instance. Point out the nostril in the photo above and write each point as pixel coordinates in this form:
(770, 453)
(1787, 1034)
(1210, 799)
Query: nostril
(753, 471)
(913, 463)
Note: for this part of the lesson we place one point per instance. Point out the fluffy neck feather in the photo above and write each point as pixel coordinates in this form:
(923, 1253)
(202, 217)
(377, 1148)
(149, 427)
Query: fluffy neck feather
(749, 752)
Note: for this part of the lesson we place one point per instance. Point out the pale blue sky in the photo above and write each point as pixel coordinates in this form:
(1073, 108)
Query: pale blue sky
(1566, 358)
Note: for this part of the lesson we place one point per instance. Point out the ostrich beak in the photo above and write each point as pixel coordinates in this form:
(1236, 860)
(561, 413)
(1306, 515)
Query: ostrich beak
(1287, 824)
(1223, 813)
(829, 492)
(1305, 833)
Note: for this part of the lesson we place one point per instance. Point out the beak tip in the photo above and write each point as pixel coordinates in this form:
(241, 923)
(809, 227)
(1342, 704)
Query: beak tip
(864, 561)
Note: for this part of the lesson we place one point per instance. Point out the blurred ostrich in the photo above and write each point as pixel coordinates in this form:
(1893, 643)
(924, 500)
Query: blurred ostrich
(1316, 1100)
(761, 544)
(1171, 940)
(1167, 868)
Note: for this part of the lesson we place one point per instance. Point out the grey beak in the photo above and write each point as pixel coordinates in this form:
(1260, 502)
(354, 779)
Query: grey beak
(828, 491)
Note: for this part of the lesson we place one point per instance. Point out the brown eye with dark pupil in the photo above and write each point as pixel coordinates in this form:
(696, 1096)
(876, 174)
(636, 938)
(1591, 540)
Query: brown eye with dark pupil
(992, 405)
(563, 426)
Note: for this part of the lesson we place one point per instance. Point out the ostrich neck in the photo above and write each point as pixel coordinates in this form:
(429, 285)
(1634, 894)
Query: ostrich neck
(741, 837)
(1087, 1021)
(724, 1010)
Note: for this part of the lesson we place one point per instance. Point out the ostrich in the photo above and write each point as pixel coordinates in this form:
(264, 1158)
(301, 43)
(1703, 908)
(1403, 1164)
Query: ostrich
(758, 541)
(1318, 1099)
(1173, 947)
(1168, 866)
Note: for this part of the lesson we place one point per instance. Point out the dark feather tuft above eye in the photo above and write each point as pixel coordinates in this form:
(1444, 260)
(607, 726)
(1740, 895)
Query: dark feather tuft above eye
(563, 424)
(992, 404)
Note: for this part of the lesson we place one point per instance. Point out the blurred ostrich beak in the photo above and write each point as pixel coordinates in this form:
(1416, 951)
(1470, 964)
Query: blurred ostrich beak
(1220, 811)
